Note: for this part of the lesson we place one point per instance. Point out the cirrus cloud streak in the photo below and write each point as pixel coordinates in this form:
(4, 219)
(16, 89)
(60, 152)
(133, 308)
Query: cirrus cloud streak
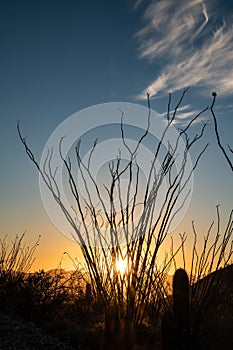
(189, 48)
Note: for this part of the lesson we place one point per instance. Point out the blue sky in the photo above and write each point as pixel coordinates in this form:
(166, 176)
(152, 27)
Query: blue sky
(58, 57)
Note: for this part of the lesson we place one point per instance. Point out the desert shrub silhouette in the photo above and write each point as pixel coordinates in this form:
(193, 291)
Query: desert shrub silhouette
(33, 296)
(16, 260)
(42, 295)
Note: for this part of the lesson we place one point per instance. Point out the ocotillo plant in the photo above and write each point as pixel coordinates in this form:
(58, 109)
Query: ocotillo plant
(176, 323)
(105, 210)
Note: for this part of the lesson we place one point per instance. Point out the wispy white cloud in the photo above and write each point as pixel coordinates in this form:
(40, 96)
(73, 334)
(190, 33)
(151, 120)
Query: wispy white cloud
(189, 49)
(137, 3)
(182, 123)
(184, 114)
(228, 106)
(181, 108)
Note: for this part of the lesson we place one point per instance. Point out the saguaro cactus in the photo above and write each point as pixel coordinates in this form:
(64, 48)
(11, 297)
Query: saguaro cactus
(176, 322)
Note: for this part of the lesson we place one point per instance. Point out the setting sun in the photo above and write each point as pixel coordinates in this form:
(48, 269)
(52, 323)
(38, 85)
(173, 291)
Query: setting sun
(122, 266)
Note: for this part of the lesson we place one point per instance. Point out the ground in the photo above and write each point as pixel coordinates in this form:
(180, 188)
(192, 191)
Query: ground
(20, 335)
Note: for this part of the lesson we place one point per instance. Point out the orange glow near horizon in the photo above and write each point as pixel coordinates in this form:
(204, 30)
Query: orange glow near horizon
(50, 255)
(50, 252)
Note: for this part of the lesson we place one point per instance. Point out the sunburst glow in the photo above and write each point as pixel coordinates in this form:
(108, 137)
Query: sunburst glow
(122, 266)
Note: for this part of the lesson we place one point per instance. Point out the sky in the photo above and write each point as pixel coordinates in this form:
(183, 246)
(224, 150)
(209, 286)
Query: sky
(59, 57)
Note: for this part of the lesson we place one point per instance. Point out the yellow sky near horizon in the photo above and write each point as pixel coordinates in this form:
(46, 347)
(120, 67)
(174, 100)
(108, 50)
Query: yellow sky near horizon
(53, 244)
